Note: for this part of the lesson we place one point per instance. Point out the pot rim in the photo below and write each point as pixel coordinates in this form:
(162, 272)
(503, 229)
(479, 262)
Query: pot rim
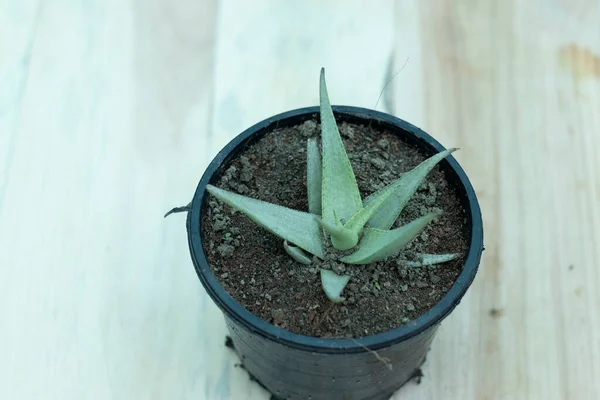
(236, 311)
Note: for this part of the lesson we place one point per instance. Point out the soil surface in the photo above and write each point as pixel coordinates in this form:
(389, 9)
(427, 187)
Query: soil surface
(253, 267)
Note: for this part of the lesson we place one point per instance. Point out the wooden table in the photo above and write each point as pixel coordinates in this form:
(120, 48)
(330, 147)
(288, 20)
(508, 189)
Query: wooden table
(111, 109)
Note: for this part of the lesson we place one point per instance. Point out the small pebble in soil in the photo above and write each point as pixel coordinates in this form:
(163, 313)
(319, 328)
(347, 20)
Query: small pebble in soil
(432, 189)
(338, 268)
(246, 174)
(410, 307)
(378, 163)
(226, 250)
(242, 189)
(308, 128)
(278, 316)
(347, 130)
(225, 275)
(220, 224)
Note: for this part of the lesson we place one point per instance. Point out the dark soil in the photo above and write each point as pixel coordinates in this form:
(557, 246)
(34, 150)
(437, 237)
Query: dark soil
(253, 267)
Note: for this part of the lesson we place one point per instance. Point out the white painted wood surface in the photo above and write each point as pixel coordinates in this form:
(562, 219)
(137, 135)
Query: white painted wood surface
(110, 110)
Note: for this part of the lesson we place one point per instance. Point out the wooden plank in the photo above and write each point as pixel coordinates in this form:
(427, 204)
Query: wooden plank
(505, 85)
(111, 110)
(268, 58)
(17, 31)
(99, 298)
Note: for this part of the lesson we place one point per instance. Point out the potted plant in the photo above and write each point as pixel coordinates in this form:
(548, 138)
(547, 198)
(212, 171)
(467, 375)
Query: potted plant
(334, 260)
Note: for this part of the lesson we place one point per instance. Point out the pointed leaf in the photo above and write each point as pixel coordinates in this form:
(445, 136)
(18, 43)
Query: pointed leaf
(404, 187)
(296, 253)
(339, 188)
(377, 244)
(313, 176)
(294, 226)
(341, 238)
(431, 259)
(333, 285)
(358, 221)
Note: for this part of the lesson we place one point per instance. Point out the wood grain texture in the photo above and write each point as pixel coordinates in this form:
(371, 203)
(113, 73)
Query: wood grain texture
(110, 111)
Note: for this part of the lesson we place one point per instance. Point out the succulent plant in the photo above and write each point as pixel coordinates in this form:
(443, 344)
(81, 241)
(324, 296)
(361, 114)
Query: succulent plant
(338, 213)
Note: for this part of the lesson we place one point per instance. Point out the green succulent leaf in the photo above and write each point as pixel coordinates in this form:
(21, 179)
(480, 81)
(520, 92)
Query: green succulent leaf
(341, 238)
(358, 221)
(296, 227)
(313, 176)
(333, 285)
(404, 188)
(339, 188)
(431, 259)
(378, 244)
(296, 253)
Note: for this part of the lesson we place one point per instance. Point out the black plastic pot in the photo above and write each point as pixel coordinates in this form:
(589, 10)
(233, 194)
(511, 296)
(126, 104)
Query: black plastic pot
(293, 366)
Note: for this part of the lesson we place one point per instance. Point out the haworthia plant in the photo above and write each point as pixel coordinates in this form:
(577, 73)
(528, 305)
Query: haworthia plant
(338, 213)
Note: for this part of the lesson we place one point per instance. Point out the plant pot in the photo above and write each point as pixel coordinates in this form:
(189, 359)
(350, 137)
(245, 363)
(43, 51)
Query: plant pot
(294, 366)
